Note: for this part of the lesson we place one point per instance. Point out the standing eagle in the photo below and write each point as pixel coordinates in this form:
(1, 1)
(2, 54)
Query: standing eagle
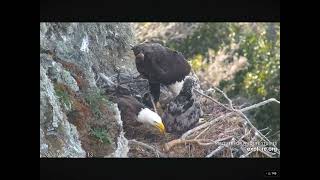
(183, 112)
(161, 65)
(134, 114)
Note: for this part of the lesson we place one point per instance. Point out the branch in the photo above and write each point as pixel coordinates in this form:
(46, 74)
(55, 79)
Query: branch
(215, 151)
(201, 133)
(186, 134)
(133, 81)
(227, 115)
(200, 142)
(158, 153)
(225, 95)
(256, 130)
(259, 104)
(106, 79)
(217, 102)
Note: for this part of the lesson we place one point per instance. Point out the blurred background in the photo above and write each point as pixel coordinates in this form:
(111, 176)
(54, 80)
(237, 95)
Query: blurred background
(242, 59)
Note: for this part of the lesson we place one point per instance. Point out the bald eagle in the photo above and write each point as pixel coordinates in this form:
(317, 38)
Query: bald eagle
(183, 112)
(161, 65)
(134, 114)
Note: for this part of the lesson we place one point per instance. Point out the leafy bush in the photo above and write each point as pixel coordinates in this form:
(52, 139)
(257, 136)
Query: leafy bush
(101, 134)
(96, 100)
(259, 43)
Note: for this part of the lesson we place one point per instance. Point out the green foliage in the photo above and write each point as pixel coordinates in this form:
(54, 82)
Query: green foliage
(101, 134)
(261, 47)
(62, 94)
(197, 62)
(260, 44)
(209, 35)
(96, 100)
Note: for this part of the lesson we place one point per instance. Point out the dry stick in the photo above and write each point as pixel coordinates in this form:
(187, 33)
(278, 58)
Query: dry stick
(186, 134)
(106, 79)
(202, 133)
(158, 153)
(226, 115)
(243, 115)
(213, 99)
(275, 133)
(245, 135)
(259, 133)
(175, 142)
(246, 155)
(215, 151)
(133, 81)
(225, 95)
(231, 152)
(264, 129)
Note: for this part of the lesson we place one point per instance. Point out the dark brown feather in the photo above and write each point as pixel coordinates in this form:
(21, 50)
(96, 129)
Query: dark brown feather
(160, 64)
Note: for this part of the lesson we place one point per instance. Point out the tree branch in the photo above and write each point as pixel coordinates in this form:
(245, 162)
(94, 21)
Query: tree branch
(209, 123)
(158, 153)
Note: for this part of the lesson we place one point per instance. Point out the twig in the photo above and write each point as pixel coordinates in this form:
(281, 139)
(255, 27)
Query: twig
(158, 153)
(201, 133)
(274, 134)
(106, 79)
(215, 151)
(265, 153)
(256, 130)
(133, 81)
(217, 102)
(200, 142)
(225, 95)
(246, 155)
(259, 104)
(231, 152)
(209, 123)
(245, 135)
(264, 129)
(186, 134)
(268, 132)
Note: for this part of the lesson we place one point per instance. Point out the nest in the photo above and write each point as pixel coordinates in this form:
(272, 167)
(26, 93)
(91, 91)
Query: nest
(224, 131)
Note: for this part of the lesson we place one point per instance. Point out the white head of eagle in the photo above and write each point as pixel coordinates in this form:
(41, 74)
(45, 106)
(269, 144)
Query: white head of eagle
(132, 111)
(147, 116)
(161, 65)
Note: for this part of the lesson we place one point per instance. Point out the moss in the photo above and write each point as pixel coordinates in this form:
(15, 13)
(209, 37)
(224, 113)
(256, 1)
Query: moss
(63, 95)
(97, 101)
(101, 134)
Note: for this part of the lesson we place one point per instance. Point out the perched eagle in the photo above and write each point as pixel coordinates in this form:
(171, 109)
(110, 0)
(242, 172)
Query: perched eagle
(183, 112)
(134, 115)
(161, 65)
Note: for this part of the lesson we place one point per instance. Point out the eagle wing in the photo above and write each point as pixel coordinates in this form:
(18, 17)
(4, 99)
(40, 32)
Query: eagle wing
(160, 64)
(167, 66)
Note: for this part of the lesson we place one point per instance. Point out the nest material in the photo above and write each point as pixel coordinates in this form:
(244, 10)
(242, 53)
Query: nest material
(229, 136)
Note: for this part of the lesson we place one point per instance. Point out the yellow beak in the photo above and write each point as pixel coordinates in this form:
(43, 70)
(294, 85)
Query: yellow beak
(161, 127)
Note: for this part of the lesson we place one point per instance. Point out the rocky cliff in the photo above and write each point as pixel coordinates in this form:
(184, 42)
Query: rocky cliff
(76, 120)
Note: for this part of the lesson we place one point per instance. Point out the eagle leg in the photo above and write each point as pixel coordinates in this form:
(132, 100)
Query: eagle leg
(159, 109)
(156, 106)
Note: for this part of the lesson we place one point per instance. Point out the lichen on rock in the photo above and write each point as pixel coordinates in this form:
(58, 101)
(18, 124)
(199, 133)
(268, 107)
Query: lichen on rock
(71, 56)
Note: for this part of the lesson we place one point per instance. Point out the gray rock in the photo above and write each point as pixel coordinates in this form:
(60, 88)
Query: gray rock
(58, 138)
(73, 54)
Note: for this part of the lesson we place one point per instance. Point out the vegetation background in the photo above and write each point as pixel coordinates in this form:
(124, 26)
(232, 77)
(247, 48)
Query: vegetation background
(242, 59)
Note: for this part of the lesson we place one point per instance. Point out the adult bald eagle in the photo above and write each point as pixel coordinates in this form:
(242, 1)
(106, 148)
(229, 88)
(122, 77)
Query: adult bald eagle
(134, 114)
(161, 65)
(183, 112)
